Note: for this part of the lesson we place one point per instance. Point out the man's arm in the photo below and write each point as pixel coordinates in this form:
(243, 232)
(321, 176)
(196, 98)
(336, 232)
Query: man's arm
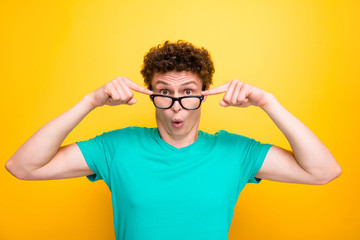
(41, 156)
(308, 151)
(310, 162)
(44, 145)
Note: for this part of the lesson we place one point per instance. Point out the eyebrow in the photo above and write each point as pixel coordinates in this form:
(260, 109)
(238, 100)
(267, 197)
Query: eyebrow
(165, 83)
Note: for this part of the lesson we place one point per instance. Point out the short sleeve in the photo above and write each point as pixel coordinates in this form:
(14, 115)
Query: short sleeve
(256, 153)
(97, 157)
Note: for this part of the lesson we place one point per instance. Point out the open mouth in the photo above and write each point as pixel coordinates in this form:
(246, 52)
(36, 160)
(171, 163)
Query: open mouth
(177, 123)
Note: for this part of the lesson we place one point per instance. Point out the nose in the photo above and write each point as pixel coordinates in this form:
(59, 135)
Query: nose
(176, 107)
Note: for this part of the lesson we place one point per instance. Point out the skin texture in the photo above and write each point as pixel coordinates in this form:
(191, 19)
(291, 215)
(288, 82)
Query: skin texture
(116, 92)
(177, 84)
(309, 162)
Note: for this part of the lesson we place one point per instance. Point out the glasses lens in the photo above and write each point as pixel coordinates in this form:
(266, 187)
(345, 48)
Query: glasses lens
(162, 102)
(191, 102)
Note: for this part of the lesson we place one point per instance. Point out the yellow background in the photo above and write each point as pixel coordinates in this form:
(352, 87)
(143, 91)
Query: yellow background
(304, 52)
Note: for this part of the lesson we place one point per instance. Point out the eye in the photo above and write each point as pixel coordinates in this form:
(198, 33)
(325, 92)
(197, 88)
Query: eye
(164, 92)
(188, 92)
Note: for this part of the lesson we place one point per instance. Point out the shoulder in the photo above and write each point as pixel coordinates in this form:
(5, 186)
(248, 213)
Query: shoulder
(126, 133)
(127, 130)
(228, 136)
(224, 137)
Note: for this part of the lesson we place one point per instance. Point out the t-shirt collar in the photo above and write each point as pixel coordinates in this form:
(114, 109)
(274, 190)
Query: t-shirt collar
(198, 142)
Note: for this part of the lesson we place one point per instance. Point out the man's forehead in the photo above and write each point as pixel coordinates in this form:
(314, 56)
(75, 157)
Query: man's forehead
(177, 78)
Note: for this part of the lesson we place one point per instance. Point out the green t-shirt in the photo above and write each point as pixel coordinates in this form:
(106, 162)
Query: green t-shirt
(160, 192)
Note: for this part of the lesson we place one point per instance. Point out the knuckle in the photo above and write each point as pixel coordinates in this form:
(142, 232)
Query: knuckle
(109, 90)
(116, 96)
(126, 80)
(121, 80)
(108, 85)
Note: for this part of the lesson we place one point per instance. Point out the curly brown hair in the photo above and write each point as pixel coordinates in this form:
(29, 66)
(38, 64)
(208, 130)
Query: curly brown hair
(179, 56)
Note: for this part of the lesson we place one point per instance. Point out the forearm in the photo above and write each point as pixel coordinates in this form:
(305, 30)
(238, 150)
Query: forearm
(42, 146)
(309, 151)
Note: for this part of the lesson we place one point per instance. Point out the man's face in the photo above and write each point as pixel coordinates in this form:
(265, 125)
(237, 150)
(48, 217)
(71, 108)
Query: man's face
(177, 122)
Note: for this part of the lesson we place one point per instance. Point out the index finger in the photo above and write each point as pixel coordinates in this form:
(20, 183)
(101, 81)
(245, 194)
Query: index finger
(216, 90)
(137, 87)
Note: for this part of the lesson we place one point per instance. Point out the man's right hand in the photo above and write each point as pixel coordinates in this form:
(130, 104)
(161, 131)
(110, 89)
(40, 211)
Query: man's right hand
(42, 157)
(116, 92)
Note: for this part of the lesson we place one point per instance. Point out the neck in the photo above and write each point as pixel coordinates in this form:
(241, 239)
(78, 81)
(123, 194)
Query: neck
(179, 141)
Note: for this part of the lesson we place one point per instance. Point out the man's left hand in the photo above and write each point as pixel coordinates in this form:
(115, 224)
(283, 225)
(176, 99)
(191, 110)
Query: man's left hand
(240, 94)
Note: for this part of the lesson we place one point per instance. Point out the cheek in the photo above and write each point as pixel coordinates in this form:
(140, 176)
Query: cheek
(193, 114)
(162, 114)
(158, 112)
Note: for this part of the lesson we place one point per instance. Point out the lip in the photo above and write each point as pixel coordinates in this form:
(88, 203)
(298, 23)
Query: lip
(177, 123)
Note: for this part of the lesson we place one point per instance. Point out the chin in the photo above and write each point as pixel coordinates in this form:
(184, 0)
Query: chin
(178, 133)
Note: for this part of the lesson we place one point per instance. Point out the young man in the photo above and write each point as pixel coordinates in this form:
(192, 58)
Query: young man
(174, 181)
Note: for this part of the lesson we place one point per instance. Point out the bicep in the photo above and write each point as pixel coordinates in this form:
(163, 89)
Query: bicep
(68, 162)
(280, 165)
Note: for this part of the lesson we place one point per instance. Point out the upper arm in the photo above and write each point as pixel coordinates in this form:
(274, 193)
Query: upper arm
(68, 162)
(280, 165)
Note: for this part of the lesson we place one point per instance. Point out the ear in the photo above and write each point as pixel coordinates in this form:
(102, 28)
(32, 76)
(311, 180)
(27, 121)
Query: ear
(204, 98)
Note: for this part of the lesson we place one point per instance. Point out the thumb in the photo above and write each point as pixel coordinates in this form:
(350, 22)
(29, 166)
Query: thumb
(131, 101)
(224, 104)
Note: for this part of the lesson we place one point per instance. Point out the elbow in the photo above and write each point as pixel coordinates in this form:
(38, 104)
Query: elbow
(335, 173)
(15, 171)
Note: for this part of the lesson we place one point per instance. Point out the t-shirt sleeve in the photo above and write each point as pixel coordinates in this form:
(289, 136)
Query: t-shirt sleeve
(248, 153)
(97, 157)
(255, 156)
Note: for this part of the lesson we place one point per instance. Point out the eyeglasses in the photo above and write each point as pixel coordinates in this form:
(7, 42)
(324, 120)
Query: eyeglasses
(186, 102)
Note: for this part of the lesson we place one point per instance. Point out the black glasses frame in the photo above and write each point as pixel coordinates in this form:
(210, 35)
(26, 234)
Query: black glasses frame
(152, 96)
